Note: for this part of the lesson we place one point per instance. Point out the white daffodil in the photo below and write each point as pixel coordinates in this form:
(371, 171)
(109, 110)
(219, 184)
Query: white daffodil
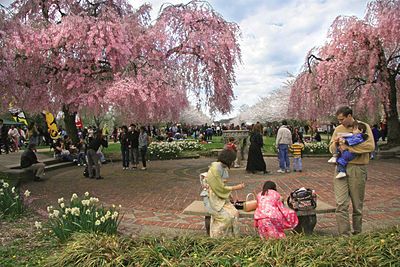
(86, 194)
(87, 212)
(60, 200)
(13, 190)
(97, 222)
(75, 211)
(38, 225)
(103, 219)
(97, 214)
(56, 213)
(67, 210)
(74, 196)
(115, 215)
(5, 185)
(62, 205)
(119, 206)
(64, 216)
(85, 202)
(49, 208)
(94, 200)
(27, 193)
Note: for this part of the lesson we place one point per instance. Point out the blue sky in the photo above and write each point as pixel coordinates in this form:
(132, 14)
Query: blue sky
(276, 36)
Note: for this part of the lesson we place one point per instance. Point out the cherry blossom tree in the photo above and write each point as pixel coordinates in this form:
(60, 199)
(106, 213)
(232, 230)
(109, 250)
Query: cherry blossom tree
(358, 66)
(93, 54)
(273, 107)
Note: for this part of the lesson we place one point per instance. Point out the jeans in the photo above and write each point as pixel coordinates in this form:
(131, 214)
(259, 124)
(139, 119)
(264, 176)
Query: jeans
(284, 163)
(297, 164)
(125, 157)
(143, 151)
(81, 158)
(134, 151)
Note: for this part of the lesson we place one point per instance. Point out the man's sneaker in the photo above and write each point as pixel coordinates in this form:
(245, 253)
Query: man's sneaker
(287, 171)
(143, 168)
(332, 160)
(341, 175)
(280, 171)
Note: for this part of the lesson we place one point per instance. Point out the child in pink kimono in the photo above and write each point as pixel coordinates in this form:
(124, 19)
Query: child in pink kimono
(271, 217)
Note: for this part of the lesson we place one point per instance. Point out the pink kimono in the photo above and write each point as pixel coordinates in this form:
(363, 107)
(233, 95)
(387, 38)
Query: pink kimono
(271, 217)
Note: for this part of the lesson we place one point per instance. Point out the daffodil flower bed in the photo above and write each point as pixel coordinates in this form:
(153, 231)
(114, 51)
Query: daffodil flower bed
(81, 215)
(316, 148)
(11, 203)
(171, 150)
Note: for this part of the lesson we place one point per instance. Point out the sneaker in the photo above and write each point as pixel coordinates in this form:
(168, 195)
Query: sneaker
(287, 171)
(280, 171)
(332, 160)
(341, 175)
(294, 171)
(143, 168)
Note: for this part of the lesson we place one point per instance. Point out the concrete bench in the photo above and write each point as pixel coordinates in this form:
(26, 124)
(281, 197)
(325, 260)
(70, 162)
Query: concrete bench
(307, 219)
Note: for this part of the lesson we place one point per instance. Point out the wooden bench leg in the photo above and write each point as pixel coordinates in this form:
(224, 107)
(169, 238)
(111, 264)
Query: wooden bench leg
(207, 220)
(306, 224)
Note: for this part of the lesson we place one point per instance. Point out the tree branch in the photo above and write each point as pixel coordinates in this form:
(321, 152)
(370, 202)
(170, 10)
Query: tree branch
(310, 57)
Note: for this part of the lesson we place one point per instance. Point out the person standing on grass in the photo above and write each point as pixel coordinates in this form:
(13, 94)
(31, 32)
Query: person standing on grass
(351, 187)
(283, 141)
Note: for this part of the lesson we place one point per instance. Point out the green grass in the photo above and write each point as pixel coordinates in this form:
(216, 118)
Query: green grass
(379, 248)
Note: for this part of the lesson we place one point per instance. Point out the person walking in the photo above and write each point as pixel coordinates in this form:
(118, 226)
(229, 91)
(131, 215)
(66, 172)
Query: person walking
(283, 141)
(255, 160)
(93, 157)
(352, 187)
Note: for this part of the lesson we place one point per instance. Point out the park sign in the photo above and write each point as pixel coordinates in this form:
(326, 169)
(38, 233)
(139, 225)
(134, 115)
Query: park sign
(239, 135)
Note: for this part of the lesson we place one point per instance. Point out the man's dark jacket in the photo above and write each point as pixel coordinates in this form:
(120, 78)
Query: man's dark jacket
(28, 158)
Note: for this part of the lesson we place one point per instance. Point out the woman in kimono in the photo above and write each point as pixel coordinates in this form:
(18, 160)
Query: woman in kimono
(224, 216)
(271, 217)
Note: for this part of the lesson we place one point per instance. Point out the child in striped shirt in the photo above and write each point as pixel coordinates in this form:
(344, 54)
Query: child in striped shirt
(296, 150)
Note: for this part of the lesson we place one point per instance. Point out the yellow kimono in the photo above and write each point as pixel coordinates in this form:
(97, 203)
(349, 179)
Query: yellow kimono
(224, 218)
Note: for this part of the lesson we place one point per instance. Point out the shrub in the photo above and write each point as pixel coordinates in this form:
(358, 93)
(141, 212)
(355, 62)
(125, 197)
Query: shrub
(82, 215)
(11, 203)
(190, 145)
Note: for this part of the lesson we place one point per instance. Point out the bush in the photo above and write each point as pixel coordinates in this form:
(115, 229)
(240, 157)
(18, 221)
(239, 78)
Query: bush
(11, 203)
(370, 249)
(82, 215)
(171, 150)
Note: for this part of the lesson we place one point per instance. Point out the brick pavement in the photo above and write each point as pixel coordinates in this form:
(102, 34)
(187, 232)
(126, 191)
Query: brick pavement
(153, 200)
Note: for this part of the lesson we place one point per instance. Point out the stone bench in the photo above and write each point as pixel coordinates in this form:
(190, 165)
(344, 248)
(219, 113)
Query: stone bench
(307, 219)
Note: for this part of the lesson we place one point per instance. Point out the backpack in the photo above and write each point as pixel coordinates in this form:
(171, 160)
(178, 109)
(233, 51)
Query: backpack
(302, 199)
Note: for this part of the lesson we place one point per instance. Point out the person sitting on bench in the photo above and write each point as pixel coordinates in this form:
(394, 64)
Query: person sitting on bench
(30, 162)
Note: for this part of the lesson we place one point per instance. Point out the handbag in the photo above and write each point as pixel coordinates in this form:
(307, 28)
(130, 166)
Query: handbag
(302, 199)
(250, 205)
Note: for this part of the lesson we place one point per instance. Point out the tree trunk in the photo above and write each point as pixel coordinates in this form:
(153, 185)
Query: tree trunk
(393, 123)
(70, 127)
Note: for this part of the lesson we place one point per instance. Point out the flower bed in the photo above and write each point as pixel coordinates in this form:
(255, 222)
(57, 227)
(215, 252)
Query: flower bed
(171, 150)
(11, 203)
(316, 148)
(81, 215)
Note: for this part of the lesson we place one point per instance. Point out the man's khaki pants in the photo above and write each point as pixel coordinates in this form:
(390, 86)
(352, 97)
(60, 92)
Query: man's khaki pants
(37, 168)
(351, 187)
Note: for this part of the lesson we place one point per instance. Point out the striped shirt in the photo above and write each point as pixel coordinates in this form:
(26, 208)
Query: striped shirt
(296, 149)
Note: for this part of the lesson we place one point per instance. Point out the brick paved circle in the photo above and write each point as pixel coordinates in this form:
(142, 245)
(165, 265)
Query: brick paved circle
(157, 196)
